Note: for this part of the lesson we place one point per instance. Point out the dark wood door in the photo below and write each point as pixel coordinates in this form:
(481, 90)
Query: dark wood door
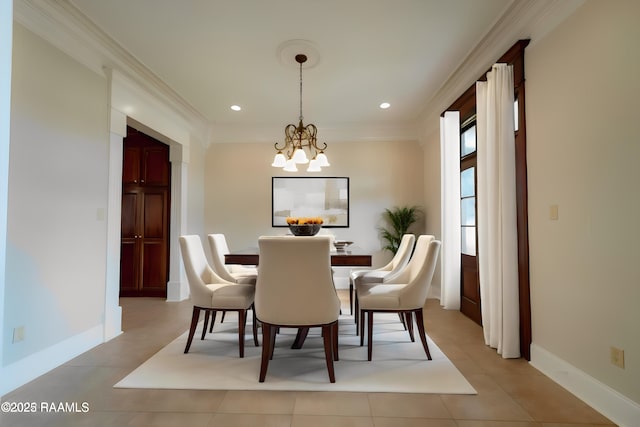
(144, 256)
(470, 289)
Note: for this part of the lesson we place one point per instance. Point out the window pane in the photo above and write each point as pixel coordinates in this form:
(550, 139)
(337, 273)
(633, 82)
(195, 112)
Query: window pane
(468, 211)
(468, 243)
(467, 181)
(468, 141)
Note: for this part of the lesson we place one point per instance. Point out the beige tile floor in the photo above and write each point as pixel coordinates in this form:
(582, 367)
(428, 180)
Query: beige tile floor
(510, 392)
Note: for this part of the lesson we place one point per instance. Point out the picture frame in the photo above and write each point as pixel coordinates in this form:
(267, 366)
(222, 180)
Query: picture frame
(324, 197)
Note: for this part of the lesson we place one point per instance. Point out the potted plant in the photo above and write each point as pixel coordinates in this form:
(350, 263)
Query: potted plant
(399, 219)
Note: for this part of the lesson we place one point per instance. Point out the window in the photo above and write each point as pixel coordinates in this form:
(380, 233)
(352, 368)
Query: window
(468, 141)
(468, 188)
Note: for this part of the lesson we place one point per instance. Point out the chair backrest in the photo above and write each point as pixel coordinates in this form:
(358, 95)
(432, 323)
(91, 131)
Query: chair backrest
(199, 273)
(219, 248)
(401, 258)
(419, 272)
(295, 284)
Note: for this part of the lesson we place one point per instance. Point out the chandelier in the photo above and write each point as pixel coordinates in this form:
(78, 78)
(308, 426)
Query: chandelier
(297, 139)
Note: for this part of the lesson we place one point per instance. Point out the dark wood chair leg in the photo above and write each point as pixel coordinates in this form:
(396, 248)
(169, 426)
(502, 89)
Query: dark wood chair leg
(213, 320)
(356, 311)
(404, 322)
(272, 338)
(266, 350)
(223, 313)
(192, 330)
(207, 313)
(423, 336)
(242, 323)
(351, 297)
(255, 327)
(361, 321)
(336, 356)
(369, 334)
(327, 335)
(408, 325)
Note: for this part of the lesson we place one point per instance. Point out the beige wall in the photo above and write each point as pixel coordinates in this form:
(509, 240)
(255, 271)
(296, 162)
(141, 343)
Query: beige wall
(58, 179)
(583, 151)
(382, 175)
(431, 148)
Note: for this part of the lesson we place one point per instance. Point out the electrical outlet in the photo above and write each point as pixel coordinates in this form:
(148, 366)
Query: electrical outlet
(617, 357)
(18, 334)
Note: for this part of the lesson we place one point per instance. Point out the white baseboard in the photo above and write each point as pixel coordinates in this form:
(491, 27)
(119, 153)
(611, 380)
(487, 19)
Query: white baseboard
(34, 365)
(610, 403)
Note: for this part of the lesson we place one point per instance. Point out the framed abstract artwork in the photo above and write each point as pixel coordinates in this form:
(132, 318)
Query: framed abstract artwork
(324, 197)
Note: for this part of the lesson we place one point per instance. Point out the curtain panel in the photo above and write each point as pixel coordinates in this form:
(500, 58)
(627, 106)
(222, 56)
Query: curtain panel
(497, 218)
(450, 209)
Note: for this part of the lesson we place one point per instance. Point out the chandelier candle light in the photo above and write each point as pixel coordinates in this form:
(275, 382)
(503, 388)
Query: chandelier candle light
(297, 138)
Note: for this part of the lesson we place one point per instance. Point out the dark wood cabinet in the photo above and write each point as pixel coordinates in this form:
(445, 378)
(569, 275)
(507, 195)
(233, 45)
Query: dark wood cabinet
(145, 165)
(144, 249)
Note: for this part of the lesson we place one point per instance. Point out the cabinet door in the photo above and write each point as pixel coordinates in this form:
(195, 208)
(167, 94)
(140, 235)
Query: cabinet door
(129, 247)
(155, 166)
(154, 243)
(131, 165)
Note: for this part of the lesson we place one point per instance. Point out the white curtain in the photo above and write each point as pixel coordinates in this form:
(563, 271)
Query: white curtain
(497, 227)
(450, 209)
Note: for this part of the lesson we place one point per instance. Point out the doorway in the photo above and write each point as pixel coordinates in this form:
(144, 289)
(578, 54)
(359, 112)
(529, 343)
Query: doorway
(144, 242)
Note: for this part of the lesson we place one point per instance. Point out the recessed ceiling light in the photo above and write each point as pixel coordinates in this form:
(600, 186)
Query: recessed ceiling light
(236, 108)
(385, 105)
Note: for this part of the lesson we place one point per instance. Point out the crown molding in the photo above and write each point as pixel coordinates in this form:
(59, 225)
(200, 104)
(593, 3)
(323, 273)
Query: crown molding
(68, 29)
(522, 19)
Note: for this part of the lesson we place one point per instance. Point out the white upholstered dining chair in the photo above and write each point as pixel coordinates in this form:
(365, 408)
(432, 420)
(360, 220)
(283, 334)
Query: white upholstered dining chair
(406, 295)
(230, 272)
(386, 274)
(295, 289)
(210, 293)
(397, 263)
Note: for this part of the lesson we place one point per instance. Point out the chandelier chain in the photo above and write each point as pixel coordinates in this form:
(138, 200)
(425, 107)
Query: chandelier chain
(301, 118)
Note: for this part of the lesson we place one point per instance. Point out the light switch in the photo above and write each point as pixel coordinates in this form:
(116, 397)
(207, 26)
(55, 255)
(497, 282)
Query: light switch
(553, 212)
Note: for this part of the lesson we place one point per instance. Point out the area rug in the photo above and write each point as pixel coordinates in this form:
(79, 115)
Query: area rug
(398, 364)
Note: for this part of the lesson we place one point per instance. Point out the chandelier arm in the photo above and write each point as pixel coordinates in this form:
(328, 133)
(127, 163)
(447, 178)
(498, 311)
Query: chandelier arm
(284, 146)
(317, 147)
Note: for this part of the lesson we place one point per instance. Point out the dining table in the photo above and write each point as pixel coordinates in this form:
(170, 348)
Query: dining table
(354, 257)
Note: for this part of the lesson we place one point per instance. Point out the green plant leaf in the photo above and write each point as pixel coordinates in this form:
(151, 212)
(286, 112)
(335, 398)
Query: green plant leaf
(399, 219)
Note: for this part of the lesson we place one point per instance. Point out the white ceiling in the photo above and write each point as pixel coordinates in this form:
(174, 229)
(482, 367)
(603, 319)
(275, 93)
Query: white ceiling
(215, 53)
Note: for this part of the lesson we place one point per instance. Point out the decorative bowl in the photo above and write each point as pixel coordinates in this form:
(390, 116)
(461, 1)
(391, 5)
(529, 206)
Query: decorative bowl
(341, 244)
(305, 229)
